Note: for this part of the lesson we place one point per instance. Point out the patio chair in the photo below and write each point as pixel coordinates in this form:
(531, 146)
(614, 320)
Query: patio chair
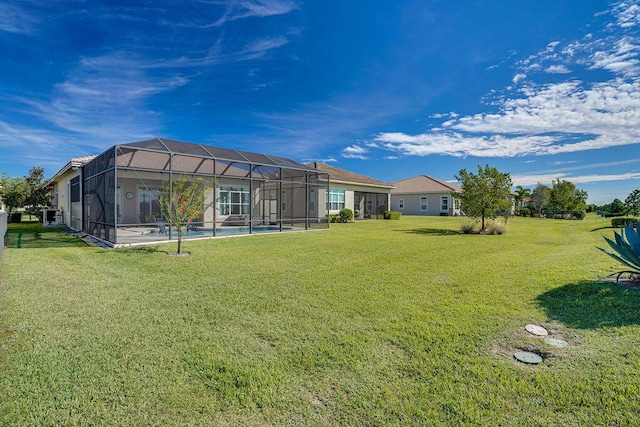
(162, 226)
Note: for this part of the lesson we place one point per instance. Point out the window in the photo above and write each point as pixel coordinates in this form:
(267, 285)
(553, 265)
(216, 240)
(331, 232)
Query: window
(75, 189)
(234, 200)
(456, 204)
(336, 200)
(444, 205)
(400, 203)
(424, 206)
(148, 205)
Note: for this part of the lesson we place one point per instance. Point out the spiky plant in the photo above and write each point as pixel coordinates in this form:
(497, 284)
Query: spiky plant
(627, 249)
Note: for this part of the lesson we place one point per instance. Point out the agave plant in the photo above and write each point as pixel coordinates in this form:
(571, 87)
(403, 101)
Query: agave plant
(627, 249)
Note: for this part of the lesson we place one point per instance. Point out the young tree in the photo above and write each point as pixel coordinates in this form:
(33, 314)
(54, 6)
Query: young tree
(38, 193)
(484, 194)
(521, 194)
(632, 202)
(617, 207)
(564, 196)
(13, 192)
(181, 202)
(540, 197)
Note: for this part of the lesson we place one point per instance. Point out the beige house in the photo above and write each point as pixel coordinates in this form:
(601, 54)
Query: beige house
(116, 196)
(367, 197)
(425, 195)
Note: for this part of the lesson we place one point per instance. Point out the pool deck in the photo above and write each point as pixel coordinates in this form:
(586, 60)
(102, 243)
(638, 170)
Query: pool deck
(145, 235)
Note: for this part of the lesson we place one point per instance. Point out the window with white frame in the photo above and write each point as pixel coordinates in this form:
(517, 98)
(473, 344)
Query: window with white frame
(234, 200)
(456, 204)
(400, 203)
(424, 205)
(444, 205)
(335, 201)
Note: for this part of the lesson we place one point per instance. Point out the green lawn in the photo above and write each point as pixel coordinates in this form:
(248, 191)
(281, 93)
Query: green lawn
(373, 323)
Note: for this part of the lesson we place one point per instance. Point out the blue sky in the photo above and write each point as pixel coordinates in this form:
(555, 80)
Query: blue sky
(391, 89)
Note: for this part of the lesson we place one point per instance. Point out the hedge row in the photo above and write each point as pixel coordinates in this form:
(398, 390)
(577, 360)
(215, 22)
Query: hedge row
(624, 220)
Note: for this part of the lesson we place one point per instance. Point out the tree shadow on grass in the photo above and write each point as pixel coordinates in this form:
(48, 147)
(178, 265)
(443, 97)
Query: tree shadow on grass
(33, 236)
(139, 250)
(433, 231)
(593, 304)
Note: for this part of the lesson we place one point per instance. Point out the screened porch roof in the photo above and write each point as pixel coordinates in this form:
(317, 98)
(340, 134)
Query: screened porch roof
(172, 147)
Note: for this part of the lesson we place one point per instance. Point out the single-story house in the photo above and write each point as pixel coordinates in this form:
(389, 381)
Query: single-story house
(425, 195)
(114, 196)
(367, 197)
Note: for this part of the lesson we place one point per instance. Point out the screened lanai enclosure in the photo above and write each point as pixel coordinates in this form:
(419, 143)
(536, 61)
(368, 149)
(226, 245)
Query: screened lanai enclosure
(243, 192)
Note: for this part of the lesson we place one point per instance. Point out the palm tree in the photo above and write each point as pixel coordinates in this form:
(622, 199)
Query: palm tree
(521, 194)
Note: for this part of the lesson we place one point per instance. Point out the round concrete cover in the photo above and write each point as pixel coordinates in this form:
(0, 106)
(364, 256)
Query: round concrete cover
(536, 330)
(556, 342)
(528, 357)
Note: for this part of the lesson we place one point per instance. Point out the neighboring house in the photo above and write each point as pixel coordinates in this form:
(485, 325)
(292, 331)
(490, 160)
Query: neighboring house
(115, 196)
(367, 197)
(425, 195)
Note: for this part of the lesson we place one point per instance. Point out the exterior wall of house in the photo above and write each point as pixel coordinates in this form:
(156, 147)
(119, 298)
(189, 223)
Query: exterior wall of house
(71, 212)
(412, 204)
(130, 186)
(350, 191)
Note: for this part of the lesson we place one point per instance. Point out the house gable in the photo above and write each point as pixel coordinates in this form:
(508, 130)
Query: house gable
(424, 195)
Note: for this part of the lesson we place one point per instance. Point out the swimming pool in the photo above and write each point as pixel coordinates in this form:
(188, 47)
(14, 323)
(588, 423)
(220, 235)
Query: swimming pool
(226, 231)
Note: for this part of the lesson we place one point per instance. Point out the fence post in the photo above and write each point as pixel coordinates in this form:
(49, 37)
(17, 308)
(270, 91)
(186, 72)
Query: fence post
(3, 229)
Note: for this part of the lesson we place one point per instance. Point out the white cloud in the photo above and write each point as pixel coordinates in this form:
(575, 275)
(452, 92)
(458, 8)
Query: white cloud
(547, 179)
(549, 118)
(518, 77)
(557, 69)
(450, 115)
(355, 152)
(627, 13)
(622, 59)
(566, 162)
(14, 19)
(254, 8)
(461, 145)
(259, 48)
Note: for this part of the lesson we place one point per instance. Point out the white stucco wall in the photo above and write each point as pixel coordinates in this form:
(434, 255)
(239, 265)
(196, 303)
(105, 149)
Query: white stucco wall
(412, 204)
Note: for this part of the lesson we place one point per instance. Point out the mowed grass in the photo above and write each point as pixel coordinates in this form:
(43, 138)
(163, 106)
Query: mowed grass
(373, 323)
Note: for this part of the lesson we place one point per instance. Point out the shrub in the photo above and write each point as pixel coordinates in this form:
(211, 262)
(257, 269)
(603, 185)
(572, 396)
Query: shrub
(495, 227)
(523, 212)
(627, 249)
(15, 217)
(468, 226)
(622, 221)
(392, 215)
(577, 214)
(333, 218)
(345, 215)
